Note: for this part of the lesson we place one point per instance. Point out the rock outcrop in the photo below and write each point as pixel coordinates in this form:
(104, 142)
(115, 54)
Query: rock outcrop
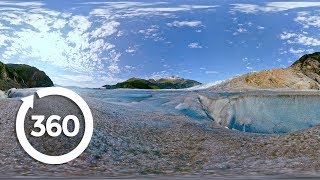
(22, 76)
(303, 74)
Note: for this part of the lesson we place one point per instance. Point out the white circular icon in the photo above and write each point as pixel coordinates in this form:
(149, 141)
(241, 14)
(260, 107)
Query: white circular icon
(28, 103)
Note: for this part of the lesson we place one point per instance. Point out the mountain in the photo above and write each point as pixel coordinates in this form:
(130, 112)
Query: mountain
(22, 76)
(302, 74)
(163, 83)
(134, 83)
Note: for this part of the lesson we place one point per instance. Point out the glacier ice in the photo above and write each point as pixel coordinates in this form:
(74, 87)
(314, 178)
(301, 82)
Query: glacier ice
(20, 93)
(265, 113)
(262, 112)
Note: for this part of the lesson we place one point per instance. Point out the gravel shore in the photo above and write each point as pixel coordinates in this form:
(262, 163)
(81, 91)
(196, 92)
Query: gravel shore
(130, 141)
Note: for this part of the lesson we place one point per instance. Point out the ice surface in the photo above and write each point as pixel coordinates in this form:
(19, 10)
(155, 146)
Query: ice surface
(3, 94)
(19, 93)
(265, 113)
(258, 112)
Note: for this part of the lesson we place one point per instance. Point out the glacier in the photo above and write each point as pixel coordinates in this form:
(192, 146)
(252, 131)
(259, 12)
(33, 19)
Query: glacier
(259, 111)
(265, 113)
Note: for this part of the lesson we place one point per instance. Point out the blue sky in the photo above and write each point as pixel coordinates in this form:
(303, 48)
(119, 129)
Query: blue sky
(93, 43)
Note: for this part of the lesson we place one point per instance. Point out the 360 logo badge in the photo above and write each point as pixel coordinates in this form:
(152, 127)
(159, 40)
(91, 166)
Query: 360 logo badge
(48, 159)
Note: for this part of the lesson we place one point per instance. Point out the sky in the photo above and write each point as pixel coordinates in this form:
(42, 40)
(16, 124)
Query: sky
(93, 43)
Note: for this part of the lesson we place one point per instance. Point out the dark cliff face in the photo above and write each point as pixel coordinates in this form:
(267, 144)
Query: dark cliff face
(164, 83)
(8, 78)
(309, 65)
(22, 76)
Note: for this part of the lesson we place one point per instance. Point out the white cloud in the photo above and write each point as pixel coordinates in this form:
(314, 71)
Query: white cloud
(80, 23)
(2, 27)
(282, 6)
(153, 32)
(296, 51)
(272, 7)
(194, 45)
(59, 23)
(309, 41)
(159, 10)
(300, 52)
(286, 35)
(130, 50)
(107, 29)
(162, 9)
(114, 68)
(114, 59)
(185, 23)
(134, 9)
(152, 6)
(129, 67)
(150, 30)
(241, 30)
(125, 4)
(23, 4)
(3, 40)
(39, 10)
(76, 42)
(293, 38)
(307, 20)
(211, 72)
(199, 6)
(106, 13)
(245, 8)
(260, 27)
(58, 41)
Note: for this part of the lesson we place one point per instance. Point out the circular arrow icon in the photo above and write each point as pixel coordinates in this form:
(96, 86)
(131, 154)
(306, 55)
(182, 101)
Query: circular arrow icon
(27, 103)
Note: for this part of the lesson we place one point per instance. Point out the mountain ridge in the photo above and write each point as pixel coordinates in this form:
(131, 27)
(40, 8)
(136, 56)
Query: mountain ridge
(161, 83)
(303, 74)
(22, 76)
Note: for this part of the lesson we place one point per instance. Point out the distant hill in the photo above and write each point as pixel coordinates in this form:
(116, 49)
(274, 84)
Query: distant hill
(163, 83)
(302, 74)
(22, 76)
